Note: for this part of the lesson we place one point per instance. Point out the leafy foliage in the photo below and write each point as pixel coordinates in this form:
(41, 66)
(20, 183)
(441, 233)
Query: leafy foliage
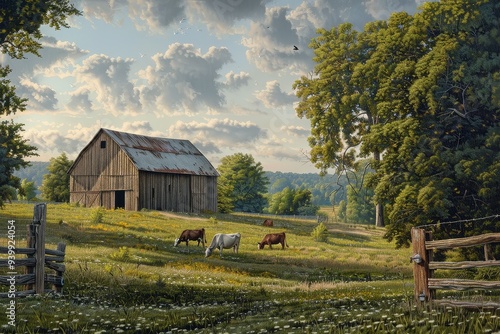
(27, 190)
(292, 202)
(419, 94)
(241, 185)
(55, 185)
(20, 22)
(320, 233)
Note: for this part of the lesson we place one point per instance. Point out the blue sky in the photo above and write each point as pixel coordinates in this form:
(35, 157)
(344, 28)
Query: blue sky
(216, 72)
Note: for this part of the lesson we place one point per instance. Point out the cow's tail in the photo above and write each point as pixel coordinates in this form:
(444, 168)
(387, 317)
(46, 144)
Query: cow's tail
(285, 240)
(203, 235)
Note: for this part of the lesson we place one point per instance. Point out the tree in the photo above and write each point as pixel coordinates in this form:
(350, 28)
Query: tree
(20, 22)
(341, 96)
(418, 94)
(55, 185)
(27, 190)
(241, 185)
(292, 201)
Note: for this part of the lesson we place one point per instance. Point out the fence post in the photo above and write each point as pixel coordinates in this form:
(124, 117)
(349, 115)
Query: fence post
(39, 222)
(420, 258)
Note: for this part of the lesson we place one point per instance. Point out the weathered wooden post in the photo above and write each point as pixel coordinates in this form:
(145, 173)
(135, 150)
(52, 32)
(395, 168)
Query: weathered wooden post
(39, 222)
(420, 259)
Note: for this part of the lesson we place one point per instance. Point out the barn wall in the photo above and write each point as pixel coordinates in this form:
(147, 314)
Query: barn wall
(100, 172)
(177, 192)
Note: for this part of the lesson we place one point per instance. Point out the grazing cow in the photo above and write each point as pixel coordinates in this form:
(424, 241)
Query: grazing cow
(273, 239)
(196, 235)
(222, 241)
(267, 222)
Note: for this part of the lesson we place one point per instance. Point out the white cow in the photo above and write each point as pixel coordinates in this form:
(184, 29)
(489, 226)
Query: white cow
(222, 241)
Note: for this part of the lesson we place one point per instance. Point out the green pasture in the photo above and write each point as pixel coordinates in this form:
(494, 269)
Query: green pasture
(124, 275)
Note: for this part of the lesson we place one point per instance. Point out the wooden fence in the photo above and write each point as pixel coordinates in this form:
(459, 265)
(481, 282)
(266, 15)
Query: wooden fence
(35, 258)
(424, 267)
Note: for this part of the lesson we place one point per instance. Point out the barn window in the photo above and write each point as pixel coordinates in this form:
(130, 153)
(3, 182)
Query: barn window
(103, 144)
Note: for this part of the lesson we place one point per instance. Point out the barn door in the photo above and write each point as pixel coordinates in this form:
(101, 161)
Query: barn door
(120, 199)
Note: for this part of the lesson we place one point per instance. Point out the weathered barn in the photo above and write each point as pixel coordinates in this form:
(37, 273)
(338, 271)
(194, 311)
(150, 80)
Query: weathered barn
(124, 170)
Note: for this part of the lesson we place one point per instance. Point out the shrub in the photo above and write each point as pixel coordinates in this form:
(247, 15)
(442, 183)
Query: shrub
(320, 233)
(97, 215)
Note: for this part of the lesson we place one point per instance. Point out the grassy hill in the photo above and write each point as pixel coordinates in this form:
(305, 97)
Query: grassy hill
(124, 275)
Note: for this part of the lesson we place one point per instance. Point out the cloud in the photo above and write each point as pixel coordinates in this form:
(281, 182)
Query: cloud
(41, 97)
(99, 9)
(183, 80)
(274, 97)
(108, 79)
(235, 80)
(296, 130)
(80, 101)
(156, 14)
(224, 133)
(220, 16)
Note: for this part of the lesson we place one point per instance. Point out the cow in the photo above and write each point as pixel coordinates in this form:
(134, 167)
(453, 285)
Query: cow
(222, 241)
(273, 239)
(196, 235)
(267, 222)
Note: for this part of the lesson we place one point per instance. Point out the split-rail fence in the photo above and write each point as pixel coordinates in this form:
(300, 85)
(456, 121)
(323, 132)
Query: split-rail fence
(424, 267)
(35, 258)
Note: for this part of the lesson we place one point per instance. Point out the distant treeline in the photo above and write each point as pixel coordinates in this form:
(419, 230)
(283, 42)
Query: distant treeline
(325, 189)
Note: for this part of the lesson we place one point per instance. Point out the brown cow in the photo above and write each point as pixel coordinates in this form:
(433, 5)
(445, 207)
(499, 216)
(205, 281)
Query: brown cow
(273, 239)
(186, 235)
(267, 222)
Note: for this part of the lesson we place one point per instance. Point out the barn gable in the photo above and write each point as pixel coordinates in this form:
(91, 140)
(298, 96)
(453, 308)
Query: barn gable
(118, 169)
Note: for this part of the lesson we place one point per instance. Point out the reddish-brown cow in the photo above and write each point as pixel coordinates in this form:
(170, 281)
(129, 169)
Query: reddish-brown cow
(273, 239)
(267, 222)
(196, 235)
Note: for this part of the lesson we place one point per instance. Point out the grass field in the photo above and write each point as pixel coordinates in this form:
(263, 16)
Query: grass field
(124, 275)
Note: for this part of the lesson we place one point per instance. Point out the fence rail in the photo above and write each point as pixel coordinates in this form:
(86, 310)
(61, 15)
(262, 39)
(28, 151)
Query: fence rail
(37, 259)
(424, 267)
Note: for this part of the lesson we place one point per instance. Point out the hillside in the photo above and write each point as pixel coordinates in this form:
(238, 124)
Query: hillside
(33, 173)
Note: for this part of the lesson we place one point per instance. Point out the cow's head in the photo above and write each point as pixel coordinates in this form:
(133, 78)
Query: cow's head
(176, 242)
(260, 245)
(208, 252)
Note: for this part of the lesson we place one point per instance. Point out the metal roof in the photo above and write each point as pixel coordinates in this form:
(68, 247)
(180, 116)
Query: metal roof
(163, 155)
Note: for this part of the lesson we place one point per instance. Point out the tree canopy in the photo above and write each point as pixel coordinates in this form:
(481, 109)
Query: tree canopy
(241, 185)
(55, 185)
(20, 22)
(419, 94)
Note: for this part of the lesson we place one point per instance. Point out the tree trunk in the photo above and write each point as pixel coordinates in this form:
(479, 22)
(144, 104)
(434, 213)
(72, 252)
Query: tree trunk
(379, 208)
(379, 215)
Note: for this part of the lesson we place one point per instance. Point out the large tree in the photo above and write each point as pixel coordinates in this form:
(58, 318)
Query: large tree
(55, 185)
(20, 22)
(242, 184)
(418, 94)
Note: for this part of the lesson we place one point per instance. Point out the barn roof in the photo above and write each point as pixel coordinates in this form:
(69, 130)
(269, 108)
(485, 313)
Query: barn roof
(162, 155)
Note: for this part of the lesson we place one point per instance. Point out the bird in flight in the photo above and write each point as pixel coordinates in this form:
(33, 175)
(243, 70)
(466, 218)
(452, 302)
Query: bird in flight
(295, 48)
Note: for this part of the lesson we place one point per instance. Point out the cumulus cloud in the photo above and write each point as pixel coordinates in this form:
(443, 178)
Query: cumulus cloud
(236, 80)
(184, 79)
(80, 101)
(274, 97)
(41, 97)
(220, 16)
(223, 133)
(156, 14)
(299, 131)
(108, 79)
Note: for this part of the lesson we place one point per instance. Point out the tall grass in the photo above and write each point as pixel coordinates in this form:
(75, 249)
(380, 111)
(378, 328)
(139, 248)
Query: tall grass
(124, 275)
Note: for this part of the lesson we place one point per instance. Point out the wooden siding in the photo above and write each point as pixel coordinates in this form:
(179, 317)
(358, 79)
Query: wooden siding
(100, 172)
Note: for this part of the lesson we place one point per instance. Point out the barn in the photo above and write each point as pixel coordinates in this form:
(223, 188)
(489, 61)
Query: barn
(134, 172)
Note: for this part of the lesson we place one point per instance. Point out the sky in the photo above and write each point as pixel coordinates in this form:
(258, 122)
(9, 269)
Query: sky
(216, 72)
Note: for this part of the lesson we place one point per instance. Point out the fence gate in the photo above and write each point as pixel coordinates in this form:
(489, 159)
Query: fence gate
(35, 258)
(424, 267)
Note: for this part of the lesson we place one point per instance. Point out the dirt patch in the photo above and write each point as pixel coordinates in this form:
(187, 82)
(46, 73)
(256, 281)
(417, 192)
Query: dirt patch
(176, 215)
(354, 230)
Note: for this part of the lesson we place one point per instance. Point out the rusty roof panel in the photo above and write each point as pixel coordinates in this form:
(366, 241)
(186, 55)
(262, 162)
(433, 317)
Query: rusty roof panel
(163, 155)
